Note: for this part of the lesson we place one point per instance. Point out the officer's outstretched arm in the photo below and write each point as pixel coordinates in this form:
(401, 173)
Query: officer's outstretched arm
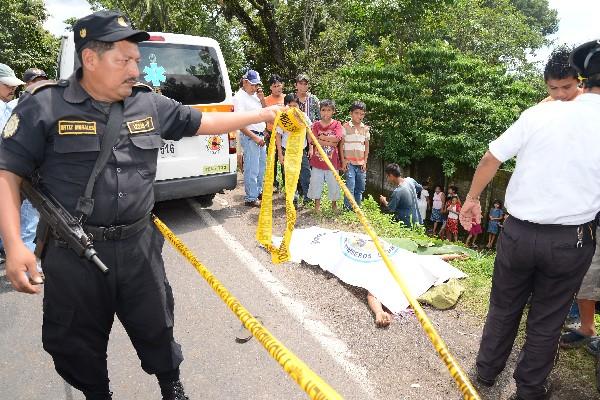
(219, 122)
(19, 259)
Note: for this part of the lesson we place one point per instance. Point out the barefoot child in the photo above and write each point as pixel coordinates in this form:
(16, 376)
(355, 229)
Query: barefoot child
(452, 223)
(474, 233)
(330, 134)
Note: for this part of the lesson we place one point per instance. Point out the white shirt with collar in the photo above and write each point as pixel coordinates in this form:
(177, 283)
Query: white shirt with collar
(557, 175)
(242, 101)
(5, 112)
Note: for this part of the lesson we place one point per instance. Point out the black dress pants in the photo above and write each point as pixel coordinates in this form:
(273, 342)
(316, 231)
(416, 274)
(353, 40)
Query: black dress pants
(80, 303)
(545, 262)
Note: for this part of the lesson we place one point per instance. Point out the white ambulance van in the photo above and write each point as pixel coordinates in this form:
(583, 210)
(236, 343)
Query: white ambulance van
(191, 70)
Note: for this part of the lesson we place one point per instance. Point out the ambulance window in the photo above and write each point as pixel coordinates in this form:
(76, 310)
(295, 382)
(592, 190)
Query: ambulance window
(186, 73)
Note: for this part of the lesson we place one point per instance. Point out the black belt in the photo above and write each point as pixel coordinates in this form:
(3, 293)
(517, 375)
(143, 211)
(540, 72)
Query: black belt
(116, 232)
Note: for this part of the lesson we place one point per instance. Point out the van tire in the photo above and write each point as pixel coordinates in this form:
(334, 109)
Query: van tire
(205, 200)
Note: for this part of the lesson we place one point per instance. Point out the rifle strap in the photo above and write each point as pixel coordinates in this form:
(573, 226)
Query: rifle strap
(85, 204)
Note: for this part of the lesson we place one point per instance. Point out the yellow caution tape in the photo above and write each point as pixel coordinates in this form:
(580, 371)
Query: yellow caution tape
(309, 381)
(292, 122)
(462, 380)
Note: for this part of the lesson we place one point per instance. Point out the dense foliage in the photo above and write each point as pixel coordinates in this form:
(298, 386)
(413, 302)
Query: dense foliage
(24, 41)
(436, 102)
(441, 77)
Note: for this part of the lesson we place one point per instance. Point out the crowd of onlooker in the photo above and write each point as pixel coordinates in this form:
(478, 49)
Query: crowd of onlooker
(346, 144)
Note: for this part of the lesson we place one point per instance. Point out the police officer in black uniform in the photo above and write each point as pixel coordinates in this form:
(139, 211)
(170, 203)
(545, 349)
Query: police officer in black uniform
(56, 131)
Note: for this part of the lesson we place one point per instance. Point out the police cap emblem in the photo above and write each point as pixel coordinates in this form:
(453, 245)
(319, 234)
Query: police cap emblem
(121, 21)
(11, 126)
(82, 33)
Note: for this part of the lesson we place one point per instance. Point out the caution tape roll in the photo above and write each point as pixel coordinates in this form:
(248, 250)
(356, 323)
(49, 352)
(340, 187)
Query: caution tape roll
(309, 381)
(296, 120)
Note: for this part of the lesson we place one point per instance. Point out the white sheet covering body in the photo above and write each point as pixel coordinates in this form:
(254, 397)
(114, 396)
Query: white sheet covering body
(354, 259)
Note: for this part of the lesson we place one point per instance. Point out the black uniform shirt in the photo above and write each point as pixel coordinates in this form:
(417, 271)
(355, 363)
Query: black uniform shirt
(58, 130)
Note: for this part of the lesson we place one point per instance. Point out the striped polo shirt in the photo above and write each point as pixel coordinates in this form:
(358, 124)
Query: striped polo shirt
(354, 142)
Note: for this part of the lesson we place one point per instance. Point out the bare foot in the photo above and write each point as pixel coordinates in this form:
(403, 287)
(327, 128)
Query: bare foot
(383, 319)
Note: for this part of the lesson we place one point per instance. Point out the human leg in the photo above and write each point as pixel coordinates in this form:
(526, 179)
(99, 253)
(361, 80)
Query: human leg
(360, 185)
(78, 316)
(145, 304)
(350, 183)
(251, 168)
(262, 165)
(305, 173)
(560, 268)
(512, 283)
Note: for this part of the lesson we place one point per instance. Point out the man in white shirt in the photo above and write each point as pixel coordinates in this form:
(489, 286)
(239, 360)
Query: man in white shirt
(252, 138)
(547, 244)
(8, 84)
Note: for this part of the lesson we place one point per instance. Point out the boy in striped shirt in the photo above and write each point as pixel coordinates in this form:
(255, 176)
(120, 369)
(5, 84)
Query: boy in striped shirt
(356, 152)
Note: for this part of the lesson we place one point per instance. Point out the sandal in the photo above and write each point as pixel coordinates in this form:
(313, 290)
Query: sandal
(574, 339)
(593, 347)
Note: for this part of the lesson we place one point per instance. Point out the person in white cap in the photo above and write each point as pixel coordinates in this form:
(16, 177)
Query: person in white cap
(8, 84)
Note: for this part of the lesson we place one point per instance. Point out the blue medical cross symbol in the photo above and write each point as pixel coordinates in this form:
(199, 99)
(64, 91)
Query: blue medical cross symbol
(154, 74)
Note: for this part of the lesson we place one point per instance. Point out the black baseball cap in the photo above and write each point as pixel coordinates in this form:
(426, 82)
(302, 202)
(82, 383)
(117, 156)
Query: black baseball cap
(106, 26)
(586, 58)
(33, 73)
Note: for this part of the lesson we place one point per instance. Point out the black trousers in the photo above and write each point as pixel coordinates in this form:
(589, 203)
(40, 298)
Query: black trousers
(80, 303)
(545, 262)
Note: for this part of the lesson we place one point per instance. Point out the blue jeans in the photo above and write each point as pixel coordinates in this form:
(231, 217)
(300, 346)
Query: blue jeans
(304, 181)
(29, 221)
(255, 159)
(356, 180)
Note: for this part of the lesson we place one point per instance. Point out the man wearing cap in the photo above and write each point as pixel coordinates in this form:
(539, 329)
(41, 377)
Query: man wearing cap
(252, 138)
(309, 103)
(543, 251)
(57, 131)
(8, 84)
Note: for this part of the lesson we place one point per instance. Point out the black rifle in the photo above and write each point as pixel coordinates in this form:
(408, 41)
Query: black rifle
(64, 226)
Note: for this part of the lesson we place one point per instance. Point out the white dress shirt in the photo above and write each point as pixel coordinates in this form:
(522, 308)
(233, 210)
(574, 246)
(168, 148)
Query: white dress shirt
(557, 175)
(242, 101)
(5, 112)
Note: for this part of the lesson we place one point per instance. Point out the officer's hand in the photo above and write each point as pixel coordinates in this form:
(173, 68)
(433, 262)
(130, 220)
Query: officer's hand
(19, 261)
(268, 114)
(470, 210)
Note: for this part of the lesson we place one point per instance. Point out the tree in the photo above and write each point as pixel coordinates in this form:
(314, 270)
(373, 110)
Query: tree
(25, 42)
(539, 14)
(437, 103)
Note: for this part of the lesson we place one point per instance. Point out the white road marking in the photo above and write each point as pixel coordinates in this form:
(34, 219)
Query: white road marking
(336, 348)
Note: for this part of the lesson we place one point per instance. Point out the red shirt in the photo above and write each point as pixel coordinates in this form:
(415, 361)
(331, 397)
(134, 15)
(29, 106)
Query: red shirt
(333, 129)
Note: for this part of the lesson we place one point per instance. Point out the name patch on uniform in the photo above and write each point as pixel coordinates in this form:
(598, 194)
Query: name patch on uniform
(76, 128)
(140, 125)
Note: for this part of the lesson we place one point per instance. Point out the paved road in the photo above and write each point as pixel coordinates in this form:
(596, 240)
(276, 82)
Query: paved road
(325, 322)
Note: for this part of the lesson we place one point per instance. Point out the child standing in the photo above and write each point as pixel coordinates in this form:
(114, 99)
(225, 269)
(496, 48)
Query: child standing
(452, 223)
(330, 135)
(473, 234)
(436, 208)
(356, 152)
(496, 216)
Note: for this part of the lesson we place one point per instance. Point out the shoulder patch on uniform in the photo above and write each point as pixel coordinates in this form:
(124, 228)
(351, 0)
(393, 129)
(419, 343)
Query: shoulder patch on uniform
(140, 126)
(11, 126)
(143, 86)
(36, 87)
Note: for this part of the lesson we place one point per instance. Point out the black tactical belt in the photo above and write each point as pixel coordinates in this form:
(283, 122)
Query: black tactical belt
(116, 232)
